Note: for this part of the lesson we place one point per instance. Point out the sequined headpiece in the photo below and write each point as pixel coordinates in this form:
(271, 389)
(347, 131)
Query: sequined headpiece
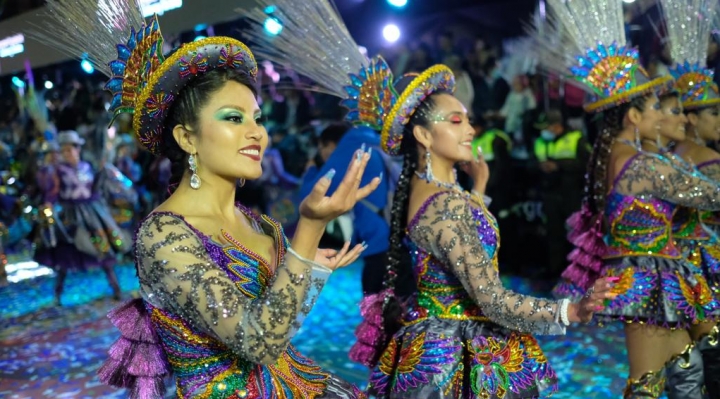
(584, 40)
(315, 42)
(142, 80)
(689, 26)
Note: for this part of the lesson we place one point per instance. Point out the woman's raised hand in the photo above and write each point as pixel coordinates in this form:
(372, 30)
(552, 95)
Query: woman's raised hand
(318, 206)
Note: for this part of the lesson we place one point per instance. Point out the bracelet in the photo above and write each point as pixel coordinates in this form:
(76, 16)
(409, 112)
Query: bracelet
(312, 264)
(564, 303)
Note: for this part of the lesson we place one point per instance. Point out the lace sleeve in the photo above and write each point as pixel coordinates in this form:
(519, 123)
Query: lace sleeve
(651, 174)
(447, 229)
(711, 170)
(177, 274)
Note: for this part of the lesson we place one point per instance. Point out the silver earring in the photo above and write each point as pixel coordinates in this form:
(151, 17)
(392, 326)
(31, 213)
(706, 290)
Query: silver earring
(194, 178)
(698, 140)
(638, 145)
(659, 145)
(428, 167)
(241, 182)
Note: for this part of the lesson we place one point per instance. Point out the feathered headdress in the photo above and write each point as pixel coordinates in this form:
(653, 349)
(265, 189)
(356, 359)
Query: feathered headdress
(113, 36)
(316, 43)
(689, 26)
(584, 40)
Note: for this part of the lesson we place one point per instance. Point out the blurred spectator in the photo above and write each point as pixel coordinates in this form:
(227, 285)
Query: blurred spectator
(561, 157)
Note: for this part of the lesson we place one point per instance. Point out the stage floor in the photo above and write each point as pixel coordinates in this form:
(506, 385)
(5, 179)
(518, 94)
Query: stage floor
(49, 352)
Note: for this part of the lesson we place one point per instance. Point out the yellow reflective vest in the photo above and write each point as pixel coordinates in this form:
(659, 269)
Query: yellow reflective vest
(565, 147)
(485, 143)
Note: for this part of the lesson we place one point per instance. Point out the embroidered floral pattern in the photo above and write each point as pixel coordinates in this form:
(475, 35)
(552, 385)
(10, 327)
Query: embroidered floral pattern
(158, 104)
(198, 63)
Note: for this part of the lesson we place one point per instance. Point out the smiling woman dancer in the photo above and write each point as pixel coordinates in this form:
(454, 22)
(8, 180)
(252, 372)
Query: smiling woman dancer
(223, 290)
(689, 24)
(463, 335)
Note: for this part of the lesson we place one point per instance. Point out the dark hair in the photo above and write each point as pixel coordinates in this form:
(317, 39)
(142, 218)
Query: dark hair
(609, 126)
(184, 111)
(489, 65)
(333, 133)
(398, 251)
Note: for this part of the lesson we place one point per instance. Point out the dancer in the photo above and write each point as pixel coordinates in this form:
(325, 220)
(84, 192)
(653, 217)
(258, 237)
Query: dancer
(623, 230)
(223, 290)
(688, 28)
(79, 230)
(463, 335)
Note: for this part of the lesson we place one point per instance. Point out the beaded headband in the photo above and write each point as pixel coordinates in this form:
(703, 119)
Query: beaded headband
(434, 79)
(143, 82)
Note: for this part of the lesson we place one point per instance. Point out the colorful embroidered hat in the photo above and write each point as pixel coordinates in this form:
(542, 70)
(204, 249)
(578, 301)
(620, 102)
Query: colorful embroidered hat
(689, 27)
(373, 101)
(142, 80)
(316, 43)
(584, 40)
(434, 79)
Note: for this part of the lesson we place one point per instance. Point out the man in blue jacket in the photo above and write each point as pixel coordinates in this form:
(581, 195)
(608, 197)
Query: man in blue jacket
(369, 225)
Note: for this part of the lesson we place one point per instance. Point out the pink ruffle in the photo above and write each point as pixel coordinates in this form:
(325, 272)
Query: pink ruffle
(370, 334)
(137, 360)
(586, 260)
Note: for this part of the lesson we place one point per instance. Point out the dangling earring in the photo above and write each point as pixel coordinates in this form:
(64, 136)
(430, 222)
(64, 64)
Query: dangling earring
(659, 145)
(638, 145)
(428, 167)
(194, 178)
(241, 182)
(697, 138)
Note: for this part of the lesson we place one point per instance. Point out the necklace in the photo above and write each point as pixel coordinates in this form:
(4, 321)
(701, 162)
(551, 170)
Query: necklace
(432, 179)
(477, 197)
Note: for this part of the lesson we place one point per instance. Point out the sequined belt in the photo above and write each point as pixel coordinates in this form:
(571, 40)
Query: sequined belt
(669, 252)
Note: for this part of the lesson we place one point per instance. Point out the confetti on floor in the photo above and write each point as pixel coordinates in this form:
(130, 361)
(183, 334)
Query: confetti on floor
(50, 352)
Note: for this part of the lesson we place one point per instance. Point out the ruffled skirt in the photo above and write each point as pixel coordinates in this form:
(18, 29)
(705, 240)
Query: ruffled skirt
(441, 359)
(672, 293)
(82, 235)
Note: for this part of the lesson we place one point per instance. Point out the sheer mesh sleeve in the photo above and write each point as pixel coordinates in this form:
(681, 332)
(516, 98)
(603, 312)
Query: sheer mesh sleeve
(651, 174)
(447, 230)
(711, 170)
(177, 274)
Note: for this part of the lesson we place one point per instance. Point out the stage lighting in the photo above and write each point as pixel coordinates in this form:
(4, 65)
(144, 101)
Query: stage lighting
(272, 26)
(397, 3)
(391, 33)
(49, 85)
(18, 82)
(87, 66)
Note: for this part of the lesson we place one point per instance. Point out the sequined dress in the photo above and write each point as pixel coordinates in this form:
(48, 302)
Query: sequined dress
(711, 219)
(657, 284)
(225, 317)
(464, 335)
(695, 233)
(82, 231)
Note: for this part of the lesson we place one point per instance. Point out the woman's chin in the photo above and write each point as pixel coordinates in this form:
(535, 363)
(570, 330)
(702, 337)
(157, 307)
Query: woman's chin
(680, 136)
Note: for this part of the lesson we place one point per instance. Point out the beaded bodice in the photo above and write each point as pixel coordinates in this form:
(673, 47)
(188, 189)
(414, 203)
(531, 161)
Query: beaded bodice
(640, 206)
(440, 293)
(687, 225)
(243, 350)
(454, 242)
(639, 226)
